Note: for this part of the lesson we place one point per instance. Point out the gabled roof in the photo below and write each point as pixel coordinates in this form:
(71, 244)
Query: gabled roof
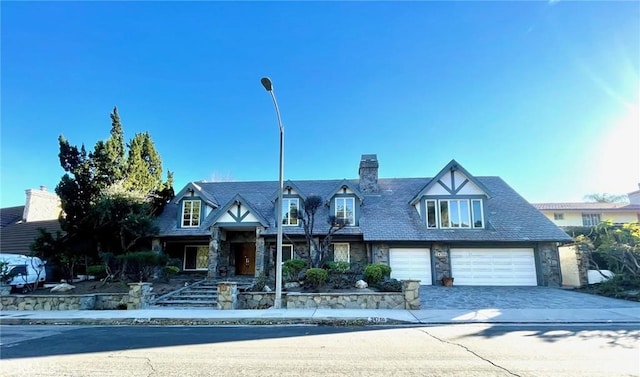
(286, 185)
(237, 199)
(587, 206)
(351, 186)
(450, 167)
(387, 217)
(196, 188)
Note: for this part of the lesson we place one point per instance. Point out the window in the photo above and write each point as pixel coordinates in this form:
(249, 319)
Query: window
(287, 253)
(196, 258)
(454, 213)
(558, 216)
(344, 210)
(191, 213)
(341, 252)
(289, 211)
(432, 222)
(590, 219)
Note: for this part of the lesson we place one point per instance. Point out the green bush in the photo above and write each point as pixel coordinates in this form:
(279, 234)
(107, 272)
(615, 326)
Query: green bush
(338, 267)
(317, 277)
(390, 285)
(375, 273)
(98, 270)
(292, 268)
(171, 270)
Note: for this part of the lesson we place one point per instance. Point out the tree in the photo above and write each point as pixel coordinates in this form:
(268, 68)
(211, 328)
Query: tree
(108, 201)
(318, 248)
(605, 198)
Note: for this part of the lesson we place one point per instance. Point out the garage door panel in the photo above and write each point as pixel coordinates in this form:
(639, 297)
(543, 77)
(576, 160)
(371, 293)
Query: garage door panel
(493, 266)
(411, 263)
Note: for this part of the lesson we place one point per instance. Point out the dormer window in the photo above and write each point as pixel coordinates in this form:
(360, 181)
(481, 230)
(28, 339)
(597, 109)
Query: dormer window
(290, 211)
(191, 213)
(344, 210)
(454, 213)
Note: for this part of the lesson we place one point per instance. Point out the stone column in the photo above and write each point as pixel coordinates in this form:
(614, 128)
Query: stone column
(380, 253)
(411, 292)
(139, 296)
(214, 250)
(227, 295)
(260, 250)
(550, 265)
(442, 261)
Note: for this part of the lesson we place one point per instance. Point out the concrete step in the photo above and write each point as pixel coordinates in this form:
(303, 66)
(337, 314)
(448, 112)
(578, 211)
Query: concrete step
(187, 303)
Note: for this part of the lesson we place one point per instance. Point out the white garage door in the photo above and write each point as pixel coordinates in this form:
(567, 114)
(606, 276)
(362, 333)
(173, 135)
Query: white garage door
(493, 267)
(410, 264)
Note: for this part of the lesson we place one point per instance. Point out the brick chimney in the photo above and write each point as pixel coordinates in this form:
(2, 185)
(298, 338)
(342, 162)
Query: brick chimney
(41, 205)
(368, 172)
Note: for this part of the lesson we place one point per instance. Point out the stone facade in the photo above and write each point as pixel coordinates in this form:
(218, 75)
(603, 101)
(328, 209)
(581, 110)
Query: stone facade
(380, 253)
(441, 261)
(364, 300)
(214, 251)
(411, 293)
(257, 300)
(227, 295)
(549, 265)
(139, 297)
(368, 172)
(582, 258)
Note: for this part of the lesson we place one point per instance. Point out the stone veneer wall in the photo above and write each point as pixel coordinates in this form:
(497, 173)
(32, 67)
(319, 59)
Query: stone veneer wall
(582, 258)
(549, 265)
(138, 297)
(441, 255)
(380, 253)
(409, 298)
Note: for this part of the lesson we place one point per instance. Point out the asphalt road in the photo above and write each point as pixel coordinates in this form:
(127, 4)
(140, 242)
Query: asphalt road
(452, 350)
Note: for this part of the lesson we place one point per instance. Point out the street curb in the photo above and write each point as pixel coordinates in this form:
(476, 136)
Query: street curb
(206, 322)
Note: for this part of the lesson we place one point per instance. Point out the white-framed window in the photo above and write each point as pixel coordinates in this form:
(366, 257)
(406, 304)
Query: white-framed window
(290, 211)
(432, 219)
(558, 216)
(454, 213)
(341, 252)
(590, 219)
(196, 258)
(345, 210)
(190, 213)
(287, 253)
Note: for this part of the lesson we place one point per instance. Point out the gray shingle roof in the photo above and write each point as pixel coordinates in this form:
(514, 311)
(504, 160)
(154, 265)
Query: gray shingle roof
(386, 216)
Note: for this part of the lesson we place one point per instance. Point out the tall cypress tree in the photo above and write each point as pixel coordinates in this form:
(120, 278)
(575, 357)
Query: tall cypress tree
(144, 166)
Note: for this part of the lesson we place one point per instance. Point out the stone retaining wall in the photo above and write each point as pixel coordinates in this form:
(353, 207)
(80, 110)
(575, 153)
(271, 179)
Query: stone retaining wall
(138, 297)
(409, 298)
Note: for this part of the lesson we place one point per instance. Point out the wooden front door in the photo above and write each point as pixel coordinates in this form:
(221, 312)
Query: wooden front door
(245, 254)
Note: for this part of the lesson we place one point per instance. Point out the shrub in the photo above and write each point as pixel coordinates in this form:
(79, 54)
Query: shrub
(98, 270)
(141, 264)
(375, 273)
(338, 267)
(317, 277)
(390, 285)
(171, 270)
(292, 268)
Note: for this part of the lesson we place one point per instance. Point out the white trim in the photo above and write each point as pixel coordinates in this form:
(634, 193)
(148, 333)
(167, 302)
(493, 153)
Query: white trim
(352, 220)
(289, 200)
(191, 217)
(184, 259)
(291, 252)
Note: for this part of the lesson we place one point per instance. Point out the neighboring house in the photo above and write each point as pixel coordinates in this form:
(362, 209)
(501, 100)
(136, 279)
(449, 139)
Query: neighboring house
(19, 225)
(592, 213)
(476, 229)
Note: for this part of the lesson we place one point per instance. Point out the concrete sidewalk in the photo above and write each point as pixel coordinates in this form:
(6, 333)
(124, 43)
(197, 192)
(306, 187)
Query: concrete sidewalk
(319, 316)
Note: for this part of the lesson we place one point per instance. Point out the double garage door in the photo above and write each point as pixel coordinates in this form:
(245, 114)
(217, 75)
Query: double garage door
(468, 266)
(493, 267)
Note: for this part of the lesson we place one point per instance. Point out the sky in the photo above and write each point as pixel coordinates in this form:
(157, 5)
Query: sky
(543, 94)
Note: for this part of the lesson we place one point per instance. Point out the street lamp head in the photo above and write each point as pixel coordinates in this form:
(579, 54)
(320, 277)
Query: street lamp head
(266, 82)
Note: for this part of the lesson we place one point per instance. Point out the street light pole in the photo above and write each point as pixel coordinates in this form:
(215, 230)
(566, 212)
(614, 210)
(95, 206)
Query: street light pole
(277, 301)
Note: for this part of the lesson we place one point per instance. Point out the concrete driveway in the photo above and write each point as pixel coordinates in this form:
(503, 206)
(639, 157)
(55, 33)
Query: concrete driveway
(463, 297)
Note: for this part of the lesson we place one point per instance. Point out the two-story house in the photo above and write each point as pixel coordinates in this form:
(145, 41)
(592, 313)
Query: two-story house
(476, 229)
(588, 214)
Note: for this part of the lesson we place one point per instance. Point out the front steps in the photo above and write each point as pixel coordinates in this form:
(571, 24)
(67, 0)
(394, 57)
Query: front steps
(202, 294)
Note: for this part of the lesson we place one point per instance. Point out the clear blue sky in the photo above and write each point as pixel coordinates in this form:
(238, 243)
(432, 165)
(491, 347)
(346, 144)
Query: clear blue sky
(542, 94)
